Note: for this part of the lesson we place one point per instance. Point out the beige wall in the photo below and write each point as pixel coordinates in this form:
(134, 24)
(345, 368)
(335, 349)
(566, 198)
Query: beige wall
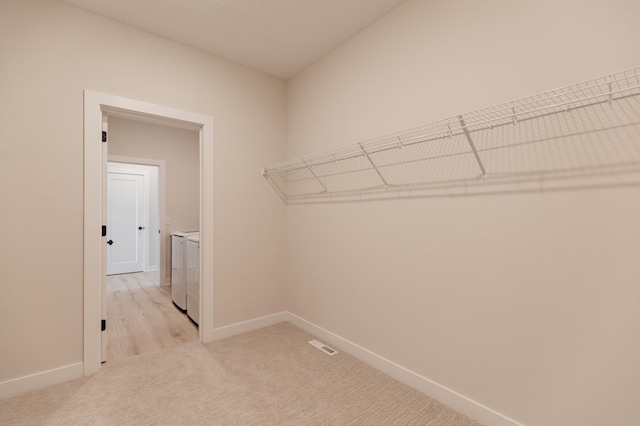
(180, 149)
(50, 53)
(526, 303)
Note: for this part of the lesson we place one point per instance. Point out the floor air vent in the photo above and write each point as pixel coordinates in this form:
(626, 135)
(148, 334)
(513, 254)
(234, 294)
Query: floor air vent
(324, 348)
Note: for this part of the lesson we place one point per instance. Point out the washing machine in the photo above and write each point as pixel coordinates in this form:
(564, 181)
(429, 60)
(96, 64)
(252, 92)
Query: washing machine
(178, 268)
(193, 277)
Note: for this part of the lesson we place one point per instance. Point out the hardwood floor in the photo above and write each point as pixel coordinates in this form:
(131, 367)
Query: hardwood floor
(142, 318)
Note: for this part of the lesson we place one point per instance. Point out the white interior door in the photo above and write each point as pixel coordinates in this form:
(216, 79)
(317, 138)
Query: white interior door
(125, 223)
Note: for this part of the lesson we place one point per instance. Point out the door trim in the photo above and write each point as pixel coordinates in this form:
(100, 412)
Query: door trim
(95, 104)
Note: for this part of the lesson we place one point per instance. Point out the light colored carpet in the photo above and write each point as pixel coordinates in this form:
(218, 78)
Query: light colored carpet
(270, 376)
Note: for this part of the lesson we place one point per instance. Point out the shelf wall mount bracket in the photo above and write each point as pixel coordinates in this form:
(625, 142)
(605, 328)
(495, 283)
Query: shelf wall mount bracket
(309, 167)
(473, 147)
(366, 154)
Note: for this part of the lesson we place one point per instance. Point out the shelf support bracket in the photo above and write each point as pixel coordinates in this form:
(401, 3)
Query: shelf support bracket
(473, 147)
(366, 154)
(315, 176)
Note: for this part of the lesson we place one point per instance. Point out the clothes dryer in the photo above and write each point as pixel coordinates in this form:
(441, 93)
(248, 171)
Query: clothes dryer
(178, 269)
(193, 277)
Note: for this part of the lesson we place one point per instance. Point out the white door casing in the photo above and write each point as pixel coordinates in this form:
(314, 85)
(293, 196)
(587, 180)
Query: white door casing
(103, 252)
(126, 225)
(95, 158)
(154, 206)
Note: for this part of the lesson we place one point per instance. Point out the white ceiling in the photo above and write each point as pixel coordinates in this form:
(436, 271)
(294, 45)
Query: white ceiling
(278, 37)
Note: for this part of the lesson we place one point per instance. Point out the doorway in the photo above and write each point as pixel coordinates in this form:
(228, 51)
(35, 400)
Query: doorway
(135, 194)
(96, 105)
(140, 312)
(154, 172)
(129, 220)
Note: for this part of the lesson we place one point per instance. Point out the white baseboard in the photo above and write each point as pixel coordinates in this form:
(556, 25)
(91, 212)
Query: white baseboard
(430, 388)
(43, 379)
(20, 385)
(249, 325)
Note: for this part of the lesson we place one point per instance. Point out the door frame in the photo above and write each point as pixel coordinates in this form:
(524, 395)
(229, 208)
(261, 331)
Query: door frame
(162, 207)
(95, 105)
(141, 220)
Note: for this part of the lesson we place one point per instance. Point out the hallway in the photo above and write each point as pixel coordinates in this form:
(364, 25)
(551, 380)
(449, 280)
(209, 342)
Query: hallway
(142, 318)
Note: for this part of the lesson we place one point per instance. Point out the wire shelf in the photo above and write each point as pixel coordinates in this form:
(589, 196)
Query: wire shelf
(585, 134)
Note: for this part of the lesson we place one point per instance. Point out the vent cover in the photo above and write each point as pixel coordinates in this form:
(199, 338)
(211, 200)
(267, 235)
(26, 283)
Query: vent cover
(324, 348)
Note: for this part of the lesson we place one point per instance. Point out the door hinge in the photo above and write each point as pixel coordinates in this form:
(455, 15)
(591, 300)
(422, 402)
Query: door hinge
(104, 136)
(104, 230)
(104, 325)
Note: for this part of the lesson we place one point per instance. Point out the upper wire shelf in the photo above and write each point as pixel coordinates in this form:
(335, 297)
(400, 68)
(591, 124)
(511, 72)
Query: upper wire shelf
(583, 134)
